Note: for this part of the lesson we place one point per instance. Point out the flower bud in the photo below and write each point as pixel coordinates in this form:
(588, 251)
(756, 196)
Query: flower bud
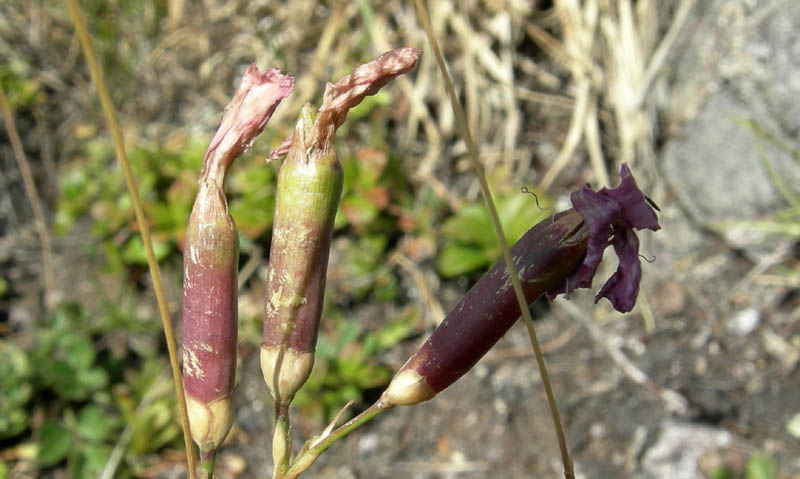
(309, 189)
(544, 256)
(553, 257)
(211, 261)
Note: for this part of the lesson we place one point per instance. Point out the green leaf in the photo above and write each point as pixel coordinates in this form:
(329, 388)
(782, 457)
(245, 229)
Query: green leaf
(90, 460)
(253, 215)
(94, 424)
(721, 473)
(518, 213)
(370, 103)
(15, 390)
(386, 286)
(78, 351)
(3, 470)
(455, 259)
(470, 225)
(54, 444)
(396, 330)
(358, 210)
(92, 379)
(760, 467)
(134, 253)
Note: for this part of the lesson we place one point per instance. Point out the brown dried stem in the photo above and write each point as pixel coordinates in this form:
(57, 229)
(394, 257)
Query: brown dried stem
(141, 220)
(513, 274)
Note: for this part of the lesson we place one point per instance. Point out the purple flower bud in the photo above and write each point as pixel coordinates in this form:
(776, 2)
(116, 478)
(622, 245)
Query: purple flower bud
(611, 216)
(557, 255)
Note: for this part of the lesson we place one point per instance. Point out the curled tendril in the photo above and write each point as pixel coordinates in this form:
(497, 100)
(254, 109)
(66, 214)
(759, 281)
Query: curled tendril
(525, 190)
(649, 260)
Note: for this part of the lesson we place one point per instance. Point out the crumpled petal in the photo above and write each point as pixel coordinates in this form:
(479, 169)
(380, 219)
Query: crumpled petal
(612, 215)
(622, 287)
(365, 80)
(245, 117)
(340, 97)
(635, 209)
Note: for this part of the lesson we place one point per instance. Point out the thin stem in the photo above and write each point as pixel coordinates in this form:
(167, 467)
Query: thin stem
(207, 463)
(33, 197)
(513, 274)
(308, 455)
(119, 146)
(281, 442)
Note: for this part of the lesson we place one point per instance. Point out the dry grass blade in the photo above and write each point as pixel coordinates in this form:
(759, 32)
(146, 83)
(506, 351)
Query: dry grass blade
(579, 24)
(33, 197)
(116, 134)
(512, 272)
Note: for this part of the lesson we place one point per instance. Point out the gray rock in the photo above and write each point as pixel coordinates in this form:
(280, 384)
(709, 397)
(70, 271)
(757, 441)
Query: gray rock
(735, 86)
(776, 49)
(677, 450)
(715, 165)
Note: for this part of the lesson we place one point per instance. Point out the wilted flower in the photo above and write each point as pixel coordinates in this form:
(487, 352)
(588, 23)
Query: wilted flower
(210, 262)
(612, 215)
(554, 256)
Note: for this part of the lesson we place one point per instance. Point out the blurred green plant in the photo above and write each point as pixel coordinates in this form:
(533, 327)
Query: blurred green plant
(166, 176)
(375, 187)
(86, 394)
(362, 270)
(66, 356)
(94, 186)
(470, 243)
(15, 390)
(759, 466)
(22, 92)
(377, 201)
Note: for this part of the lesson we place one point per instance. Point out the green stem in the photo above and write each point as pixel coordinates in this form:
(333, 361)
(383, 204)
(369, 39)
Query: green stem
(207, 463)
(281, 442)
(308, 455)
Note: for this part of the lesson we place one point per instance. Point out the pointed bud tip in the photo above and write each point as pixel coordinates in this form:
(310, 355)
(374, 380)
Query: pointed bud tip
(408, 387)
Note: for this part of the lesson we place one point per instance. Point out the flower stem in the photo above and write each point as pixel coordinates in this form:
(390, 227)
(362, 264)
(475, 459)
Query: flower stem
(281, 442)
(207, 463)
(316, 446)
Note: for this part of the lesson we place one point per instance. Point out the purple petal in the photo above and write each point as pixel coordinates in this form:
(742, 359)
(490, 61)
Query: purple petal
(611, 216)
(622, 287)
(635, 209)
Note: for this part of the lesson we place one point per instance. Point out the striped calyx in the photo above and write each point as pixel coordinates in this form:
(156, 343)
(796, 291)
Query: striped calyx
(309, 189)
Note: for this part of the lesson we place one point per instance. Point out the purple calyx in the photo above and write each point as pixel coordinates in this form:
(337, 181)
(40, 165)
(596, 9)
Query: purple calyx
(612, 215)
